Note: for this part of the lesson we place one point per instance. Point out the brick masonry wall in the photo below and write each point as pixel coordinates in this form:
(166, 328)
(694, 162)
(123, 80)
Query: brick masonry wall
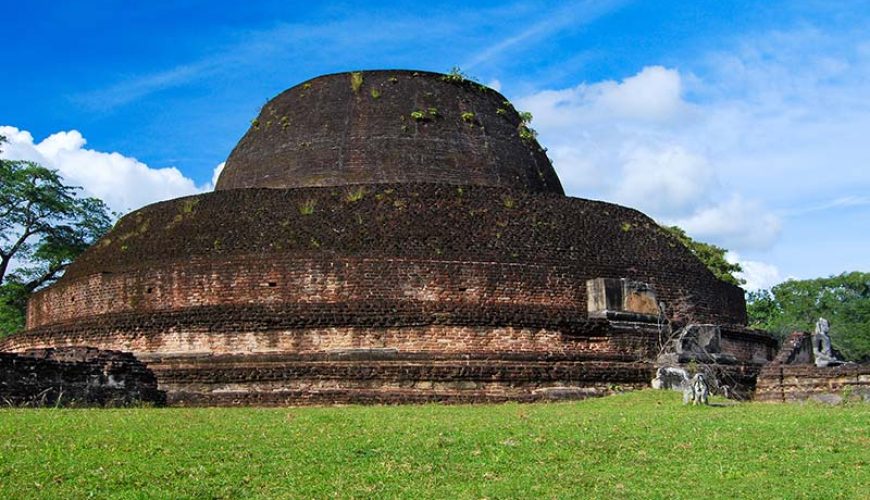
(793, 376)
(259, 280)
(324, 133)
(207, 333)
(418, 270)
(257, 358)
(782, 383)
(748, 346)
(279, 381)
(76, 377)
(477, 246)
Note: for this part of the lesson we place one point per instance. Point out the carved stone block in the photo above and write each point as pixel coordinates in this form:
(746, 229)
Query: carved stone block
(621, 299)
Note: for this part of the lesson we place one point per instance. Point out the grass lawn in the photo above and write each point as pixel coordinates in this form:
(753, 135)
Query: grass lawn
(643, 444)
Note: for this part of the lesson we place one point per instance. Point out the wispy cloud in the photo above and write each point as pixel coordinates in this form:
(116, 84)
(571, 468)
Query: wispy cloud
(135, 88)
(576, 14)
(836, 203)
(253, 50)
(353, 40)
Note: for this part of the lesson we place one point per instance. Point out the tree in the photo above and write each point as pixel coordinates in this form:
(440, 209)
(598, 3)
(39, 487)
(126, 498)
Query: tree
(44, 225)
(711, 255)
(796, 305)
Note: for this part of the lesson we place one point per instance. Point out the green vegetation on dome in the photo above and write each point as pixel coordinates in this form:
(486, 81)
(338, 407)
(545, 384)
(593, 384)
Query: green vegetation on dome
(356, 81)
(307, 207)
(711, 255)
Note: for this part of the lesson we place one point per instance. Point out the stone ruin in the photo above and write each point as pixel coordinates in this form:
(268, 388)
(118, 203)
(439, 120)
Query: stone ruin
(808, 368)
(75, 376)
(390, 237)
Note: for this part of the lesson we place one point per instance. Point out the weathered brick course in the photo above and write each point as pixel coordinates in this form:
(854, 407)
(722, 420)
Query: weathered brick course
(76, 377)
(793, 376)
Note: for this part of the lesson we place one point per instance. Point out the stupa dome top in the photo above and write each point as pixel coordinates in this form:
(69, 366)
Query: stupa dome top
(388, 127)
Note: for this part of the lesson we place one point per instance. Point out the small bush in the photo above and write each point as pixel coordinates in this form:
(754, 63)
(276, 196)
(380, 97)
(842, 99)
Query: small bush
(468, 117)
(356, 81)
(188, 205)
(355, 195)
(376, 94)
(527, 134)
(307, 208)
(455, 75)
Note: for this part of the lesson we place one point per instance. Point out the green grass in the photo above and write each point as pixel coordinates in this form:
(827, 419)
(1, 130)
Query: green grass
(642, 444)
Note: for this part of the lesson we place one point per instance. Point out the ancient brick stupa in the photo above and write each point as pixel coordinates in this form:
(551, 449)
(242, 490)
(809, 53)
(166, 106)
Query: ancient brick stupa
(387, 236)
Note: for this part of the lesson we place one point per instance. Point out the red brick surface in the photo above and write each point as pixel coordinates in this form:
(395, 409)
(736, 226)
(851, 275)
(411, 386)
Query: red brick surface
(323, 133)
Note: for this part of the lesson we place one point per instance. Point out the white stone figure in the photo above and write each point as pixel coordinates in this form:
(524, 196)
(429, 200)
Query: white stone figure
(697, 391)
(822, 351)
(669, 377)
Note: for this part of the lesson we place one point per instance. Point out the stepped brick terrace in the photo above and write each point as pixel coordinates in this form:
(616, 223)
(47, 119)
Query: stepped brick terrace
(386, 237)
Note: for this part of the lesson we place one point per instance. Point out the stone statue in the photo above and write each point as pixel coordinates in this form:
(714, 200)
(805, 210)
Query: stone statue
(822, 351)
(670, 377)
(697, 391)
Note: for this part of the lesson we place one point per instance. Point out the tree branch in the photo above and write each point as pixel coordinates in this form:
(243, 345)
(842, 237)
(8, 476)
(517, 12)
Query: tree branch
(50, 274)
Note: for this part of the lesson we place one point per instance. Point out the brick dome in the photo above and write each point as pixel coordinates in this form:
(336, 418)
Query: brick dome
(354, 252)
(380, 127)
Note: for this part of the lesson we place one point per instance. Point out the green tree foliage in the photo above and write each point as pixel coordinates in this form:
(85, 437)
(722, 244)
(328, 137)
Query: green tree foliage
(44, 225)
(796, 305)
(711, 255)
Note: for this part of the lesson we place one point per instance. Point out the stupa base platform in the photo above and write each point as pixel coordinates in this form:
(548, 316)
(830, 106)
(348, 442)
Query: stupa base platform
(279, 380)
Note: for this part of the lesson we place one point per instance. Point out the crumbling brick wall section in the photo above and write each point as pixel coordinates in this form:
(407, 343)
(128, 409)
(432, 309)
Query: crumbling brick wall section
(748, 346)
(390, 378)
(792, 376)
(76, 377)
(783, 383)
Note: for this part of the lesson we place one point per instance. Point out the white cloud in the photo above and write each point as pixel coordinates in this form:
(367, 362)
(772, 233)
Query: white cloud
(215, 174)
(736, 223)
(495, 85)
(653, 94)
(641, 143)
(766, 133)
(124, 183)
(664, 181)
(758, 275)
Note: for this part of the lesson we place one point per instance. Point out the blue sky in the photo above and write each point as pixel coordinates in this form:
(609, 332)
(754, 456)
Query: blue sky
(748, 123)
